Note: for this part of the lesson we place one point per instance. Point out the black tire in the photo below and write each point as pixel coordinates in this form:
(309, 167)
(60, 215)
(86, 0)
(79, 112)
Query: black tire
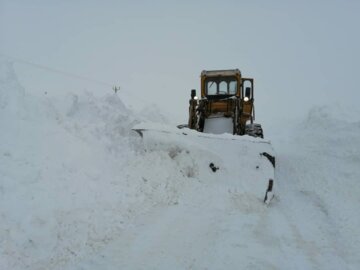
(254, 130)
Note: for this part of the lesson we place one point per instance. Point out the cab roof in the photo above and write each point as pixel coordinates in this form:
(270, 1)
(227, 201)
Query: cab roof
(225, 72)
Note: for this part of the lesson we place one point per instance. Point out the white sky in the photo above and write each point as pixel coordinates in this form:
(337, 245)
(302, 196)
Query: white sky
(300, 53)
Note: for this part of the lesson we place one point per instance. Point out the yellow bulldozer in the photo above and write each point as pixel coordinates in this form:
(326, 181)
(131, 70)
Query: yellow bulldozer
(226, 104)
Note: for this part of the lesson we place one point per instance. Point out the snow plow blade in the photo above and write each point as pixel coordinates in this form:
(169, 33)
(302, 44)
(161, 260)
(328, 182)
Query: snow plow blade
(251, 159)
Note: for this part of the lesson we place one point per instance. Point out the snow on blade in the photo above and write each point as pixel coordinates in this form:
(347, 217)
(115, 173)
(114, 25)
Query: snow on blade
(239, 158)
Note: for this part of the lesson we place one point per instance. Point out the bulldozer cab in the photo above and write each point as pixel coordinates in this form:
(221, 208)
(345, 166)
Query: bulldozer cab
(220, 84)
(222, 87)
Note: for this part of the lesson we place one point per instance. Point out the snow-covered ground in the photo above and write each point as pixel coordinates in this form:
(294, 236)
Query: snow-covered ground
(80, 190)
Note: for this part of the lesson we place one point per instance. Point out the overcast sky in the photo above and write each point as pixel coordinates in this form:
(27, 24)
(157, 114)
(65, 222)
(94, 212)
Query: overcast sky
(300, 53)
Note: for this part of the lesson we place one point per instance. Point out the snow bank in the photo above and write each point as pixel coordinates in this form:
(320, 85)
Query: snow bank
(319, 182)
(70, 175)
(11, 94)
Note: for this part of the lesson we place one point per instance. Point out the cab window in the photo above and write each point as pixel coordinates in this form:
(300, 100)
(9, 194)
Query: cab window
(232, 87)
(223, 88)
(211, 88)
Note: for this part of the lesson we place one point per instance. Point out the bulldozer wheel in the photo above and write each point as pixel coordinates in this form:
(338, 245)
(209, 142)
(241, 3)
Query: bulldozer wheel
(254, 130)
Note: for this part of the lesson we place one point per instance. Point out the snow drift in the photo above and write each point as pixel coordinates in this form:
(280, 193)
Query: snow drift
(78, 190)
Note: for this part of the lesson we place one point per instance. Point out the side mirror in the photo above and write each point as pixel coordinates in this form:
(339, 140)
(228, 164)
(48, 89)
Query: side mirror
(193, 93)
(247, 92)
